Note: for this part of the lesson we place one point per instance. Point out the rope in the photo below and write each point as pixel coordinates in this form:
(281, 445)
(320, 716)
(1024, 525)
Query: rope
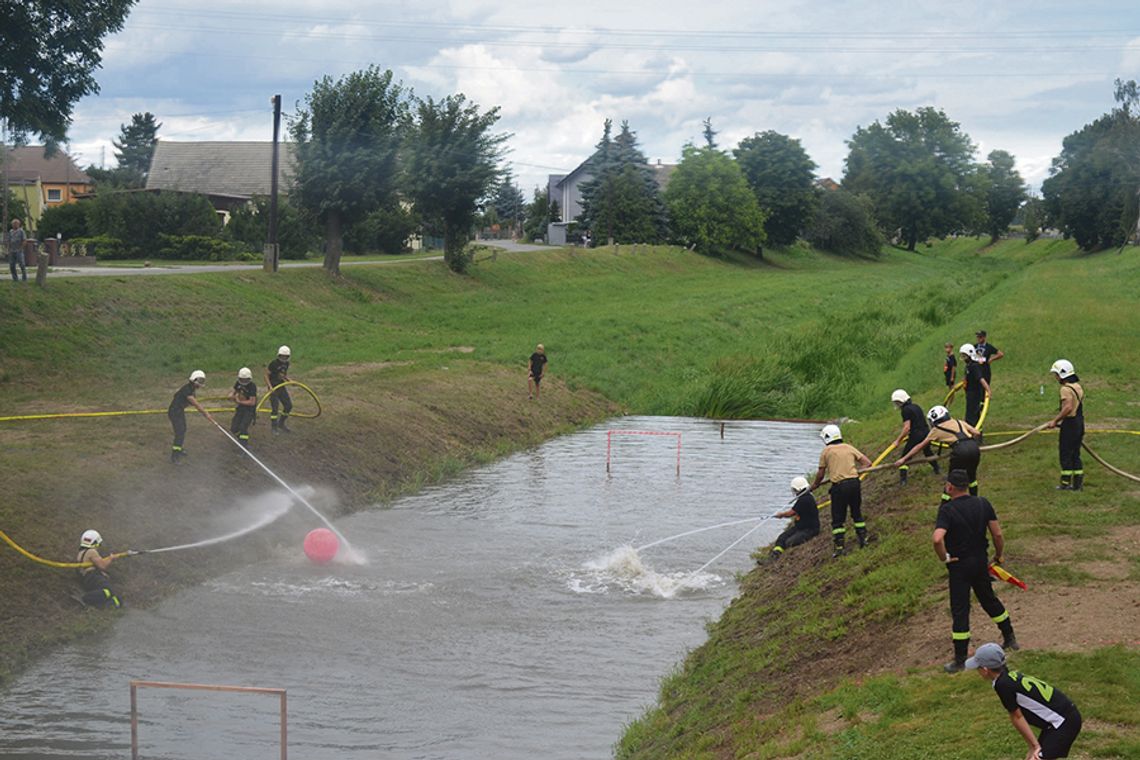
(260, 407)
(53, 563)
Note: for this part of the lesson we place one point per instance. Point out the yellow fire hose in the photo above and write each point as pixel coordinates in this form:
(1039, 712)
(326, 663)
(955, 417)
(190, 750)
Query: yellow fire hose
(260, 407)
(53, 563)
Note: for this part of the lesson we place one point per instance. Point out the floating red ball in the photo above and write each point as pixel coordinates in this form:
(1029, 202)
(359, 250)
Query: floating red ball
(321, 545)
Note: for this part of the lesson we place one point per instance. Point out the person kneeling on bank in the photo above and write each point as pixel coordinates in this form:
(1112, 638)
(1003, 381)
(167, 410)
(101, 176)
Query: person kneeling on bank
(805, 514)
(93, 577)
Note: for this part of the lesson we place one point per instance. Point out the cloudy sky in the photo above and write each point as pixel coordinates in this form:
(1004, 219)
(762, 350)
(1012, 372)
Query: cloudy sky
(1016, 75)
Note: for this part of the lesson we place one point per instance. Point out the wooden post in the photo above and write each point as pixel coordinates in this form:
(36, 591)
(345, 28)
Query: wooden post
(41, 268)
(134, 722)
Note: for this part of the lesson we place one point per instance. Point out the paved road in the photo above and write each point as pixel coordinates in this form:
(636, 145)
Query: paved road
(166, 268)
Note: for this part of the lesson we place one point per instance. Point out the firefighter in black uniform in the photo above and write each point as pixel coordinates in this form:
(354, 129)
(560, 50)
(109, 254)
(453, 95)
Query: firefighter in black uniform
(963, 439)
(93, 578)
(960, 542)
(276, 373)
(176, 412)
(914, 430)
(977, 385)
(1030, 702)
(806, 523)
(244, 394)
(841, 462)
(1071, 420)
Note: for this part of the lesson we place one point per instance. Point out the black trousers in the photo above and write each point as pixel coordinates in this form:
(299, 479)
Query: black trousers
(178, 422)
(1069, 443)
(969, 462)
(974, 406)
(794, 536)
(97, 590)
(846, 495)
(912, 441)
(243, 418)
(1056, 742)
(280, 397)
(972, 574)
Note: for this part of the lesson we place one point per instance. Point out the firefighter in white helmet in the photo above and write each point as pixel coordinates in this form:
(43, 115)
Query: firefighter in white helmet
(840, 462)
(914, 429)
(963, 439)
(276, 373)
(977, 387)
(176, 412)
(1071, 420)
(93, 577)
(244, 394)
(805, 525)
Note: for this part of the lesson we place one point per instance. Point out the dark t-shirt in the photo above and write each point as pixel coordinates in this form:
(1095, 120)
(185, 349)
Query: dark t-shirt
(974, 374)
(1042, 705)
(807, 513)
(912, 412)
(246, 391)
(948, 367)
(537, 363)
(987, 350)
(278, 371)
(181, 398)
(965, 520)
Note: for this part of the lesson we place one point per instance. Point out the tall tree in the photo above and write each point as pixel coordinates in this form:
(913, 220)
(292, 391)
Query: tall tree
(540, 212)
(1004, 193)
(915, 168)
(134, 147)
(347, 138)
(622, 199)
(1091, 193)
(710, 204)
(782, 176)
(451, 162)
(509, 202)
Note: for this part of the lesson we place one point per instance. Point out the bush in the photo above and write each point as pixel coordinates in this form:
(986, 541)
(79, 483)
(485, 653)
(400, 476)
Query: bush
(845, 225)
(68, 220)
(203, 248)
(296, 234)
(385, 230)
(138, 219)
(102, 246)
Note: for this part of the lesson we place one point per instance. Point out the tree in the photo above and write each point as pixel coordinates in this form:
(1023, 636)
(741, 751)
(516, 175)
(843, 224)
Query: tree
(509, 202)
(134, 148)
(1090, 194)
(622, 199)
(915, 169)
(845, 224)
(68, 220)
(249, 225)
(347, 138)
(1034, 217)
(782, 176)
(539, 213)
(710, 204)
(451, 162)
(1004, 193)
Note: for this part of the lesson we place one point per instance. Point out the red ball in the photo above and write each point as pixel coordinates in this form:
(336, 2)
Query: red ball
(321, 545)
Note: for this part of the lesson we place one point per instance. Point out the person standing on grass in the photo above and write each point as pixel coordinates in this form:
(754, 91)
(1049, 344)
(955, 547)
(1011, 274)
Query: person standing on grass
(176, 412)
(1071, 420)
(16, 238)
(805, 526)
(276, 373)
(93, 578)
(840, 462)
(960, 543)
(1030, 702)
(914, 430)
(535, 367)
(986, 353)
(244, 394)
(963, 439)
(977, 384)
(950, 366)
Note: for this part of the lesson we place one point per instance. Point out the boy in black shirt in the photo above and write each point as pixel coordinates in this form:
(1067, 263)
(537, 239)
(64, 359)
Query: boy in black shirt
(806, 524)
(950, 366)
(1030, 701)
(535, 367)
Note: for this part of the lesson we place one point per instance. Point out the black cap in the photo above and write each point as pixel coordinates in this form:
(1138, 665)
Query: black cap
(958, 479)
(981, 333)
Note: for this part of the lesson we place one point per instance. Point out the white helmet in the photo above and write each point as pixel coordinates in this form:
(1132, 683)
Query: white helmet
(1062, 368)
(198, 377)
(969, 350)
(937, 414)
(244, 375)
(830, 434)
(799, 484)
(90, 539)
(900, 396)
(284, 351)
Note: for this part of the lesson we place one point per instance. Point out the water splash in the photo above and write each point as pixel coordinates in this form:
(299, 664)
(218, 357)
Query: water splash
(624, 570)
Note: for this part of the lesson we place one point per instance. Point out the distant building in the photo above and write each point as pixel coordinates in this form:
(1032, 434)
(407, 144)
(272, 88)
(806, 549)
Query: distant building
(42, 181)
(565, 190)
(228, 173)
(826, 183)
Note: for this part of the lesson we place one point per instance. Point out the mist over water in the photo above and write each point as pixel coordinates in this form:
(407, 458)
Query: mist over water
(504, 615)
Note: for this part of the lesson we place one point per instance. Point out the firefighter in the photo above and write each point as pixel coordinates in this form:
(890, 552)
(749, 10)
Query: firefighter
(960, 542)
(963, 439)
(244, 394)
(914, 430)
(977, 386)
(277, 372)
(805, 514)
(1071, 420)
(840, 462)
(176, 412)
(93, 578)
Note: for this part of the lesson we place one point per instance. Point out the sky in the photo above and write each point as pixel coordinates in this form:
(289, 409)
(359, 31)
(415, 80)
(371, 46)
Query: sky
(1017, 76)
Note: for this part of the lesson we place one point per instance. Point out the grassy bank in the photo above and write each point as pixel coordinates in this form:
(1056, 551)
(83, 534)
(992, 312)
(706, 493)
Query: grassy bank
(421, 372)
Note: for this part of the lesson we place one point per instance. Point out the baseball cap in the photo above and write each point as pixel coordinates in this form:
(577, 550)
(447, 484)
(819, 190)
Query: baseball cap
(990, 656)
(958, 478)
(980, 334)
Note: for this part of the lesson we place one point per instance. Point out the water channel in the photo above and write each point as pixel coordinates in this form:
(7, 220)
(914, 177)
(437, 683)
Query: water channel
(501, 615)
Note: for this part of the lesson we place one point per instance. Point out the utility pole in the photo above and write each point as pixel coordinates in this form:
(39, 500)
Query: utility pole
(272, 252)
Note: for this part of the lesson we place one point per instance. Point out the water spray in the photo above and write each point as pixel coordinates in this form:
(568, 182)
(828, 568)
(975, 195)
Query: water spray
(722, 552)
(288, 488)
(265, 520)
(701, 530)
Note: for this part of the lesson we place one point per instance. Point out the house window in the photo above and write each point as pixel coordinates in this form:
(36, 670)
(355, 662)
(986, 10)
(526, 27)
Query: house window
(55, 195)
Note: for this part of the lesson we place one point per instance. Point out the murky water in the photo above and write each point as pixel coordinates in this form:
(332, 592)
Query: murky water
(499, 615)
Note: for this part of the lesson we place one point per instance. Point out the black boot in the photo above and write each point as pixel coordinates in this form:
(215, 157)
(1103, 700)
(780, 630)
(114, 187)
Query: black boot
(958, 664)
(1008, 640)
(1066, 483)
(839, 550)
(1079, 482)
(902, 477)
(937, 469)
(861, 534)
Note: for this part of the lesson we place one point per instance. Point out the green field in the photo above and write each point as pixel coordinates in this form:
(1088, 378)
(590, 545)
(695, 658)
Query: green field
(422, 371)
